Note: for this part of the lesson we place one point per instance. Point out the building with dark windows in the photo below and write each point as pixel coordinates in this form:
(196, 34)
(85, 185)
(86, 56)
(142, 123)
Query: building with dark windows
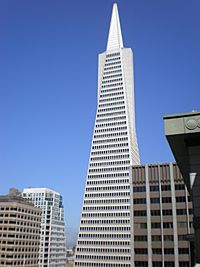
(20, 225)
(133, 215)
(162, 217)
(105, 233)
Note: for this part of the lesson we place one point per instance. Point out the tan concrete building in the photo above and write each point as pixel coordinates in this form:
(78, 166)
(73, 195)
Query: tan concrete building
(19, 231)
(162, 217)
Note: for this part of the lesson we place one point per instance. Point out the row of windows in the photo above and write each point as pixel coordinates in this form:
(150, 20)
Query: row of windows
(112, 98)
(106, 208)
(112, 55)
(111, 119)
(111, 124)
(111, 94)
(114, 151)
(19, 210)
(166, 251)
(22, 229)
(111, 114)
(157, 225)
(156, 200)
(179, 187)
(110, 81)
(140, 213)
(140, 238)
(106, 215)
(107, 163)
(111, 129)
(106, 236)
(103, 258)
(104, 182)
(111, 85)
(126, 156)
(110, 146)
(110, 135)
(111, 68)
(105, 221)
(182, 199)
(109, 169)
(20, 223)
(154, 188)
(110, 58)
(164, 212)
(20, 216)
(112, 76)
(139, 201)
(166, 264)
(100, 195)
(97, 257)
(106, 201)
(109, 90)
(166, 238)
(158, 264)
(105, 243)
(110, 109)
(105, 188)
(157, 212)
(168, 199)
(117, 103)
(19, 249)
(120, 139)
(112, 63)
(91, 264)
(19, 242)
(164, 187)
(19, 262)
(105, 228)
(104, 250)
(21, 236)
(95, 176)
(139, 188)
(184, 211)
(112, 71)
(141, 251)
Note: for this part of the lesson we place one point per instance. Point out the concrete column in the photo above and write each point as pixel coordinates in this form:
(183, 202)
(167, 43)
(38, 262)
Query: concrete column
(194, 157)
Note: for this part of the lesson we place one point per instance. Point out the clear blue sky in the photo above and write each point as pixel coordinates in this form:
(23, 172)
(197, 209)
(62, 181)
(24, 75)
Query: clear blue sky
(48, 84)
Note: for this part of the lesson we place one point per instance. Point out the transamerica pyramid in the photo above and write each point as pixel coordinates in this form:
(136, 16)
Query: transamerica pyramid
(106, 228)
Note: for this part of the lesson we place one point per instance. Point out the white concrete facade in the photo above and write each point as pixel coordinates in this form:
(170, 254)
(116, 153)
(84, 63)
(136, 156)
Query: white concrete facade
(52, 238)
(105, 233)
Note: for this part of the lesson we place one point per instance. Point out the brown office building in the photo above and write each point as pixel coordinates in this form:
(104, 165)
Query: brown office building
(19, 231)
(162, 217)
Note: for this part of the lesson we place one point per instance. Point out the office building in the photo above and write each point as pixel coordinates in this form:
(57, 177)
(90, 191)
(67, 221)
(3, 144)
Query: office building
(162, 213)
(133, 215)
(183, 134)
(105, 234)
(52, 239)
(20, 225)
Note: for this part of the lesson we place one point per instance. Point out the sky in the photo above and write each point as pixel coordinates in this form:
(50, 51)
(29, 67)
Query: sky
(48, 85)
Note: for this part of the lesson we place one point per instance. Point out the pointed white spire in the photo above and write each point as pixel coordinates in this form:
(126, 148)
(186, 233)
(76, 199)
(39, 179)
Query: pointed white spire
(115, 36)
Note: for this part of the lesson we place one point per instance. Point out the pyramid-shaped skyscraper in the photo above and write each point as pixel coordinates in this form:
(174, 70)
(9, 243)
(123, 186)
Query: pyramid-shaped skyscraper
(106, 234)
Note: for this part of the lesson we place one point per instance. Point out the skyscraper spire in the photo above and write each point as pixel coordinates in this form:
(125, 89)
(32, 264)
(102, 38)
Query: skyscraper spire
(115, 36)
